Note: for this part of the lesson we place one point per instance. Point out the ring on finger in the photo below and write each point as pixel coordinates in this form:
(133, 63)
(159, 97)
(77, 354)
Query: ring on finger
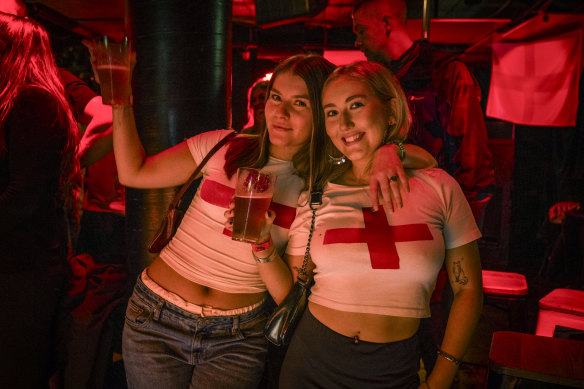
(393, 178)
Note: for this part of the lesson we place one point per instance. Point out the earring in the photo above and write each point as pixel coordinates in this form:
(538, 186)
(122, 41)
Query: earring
(337, 160)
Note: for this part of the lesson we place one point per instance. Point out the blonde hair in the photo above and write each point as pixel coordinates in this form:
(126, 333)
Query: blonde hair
(388, 90)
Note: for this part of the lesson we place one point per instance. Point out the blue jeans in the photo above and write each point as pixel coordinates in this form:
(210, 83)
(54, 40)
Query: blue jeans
(165, 346)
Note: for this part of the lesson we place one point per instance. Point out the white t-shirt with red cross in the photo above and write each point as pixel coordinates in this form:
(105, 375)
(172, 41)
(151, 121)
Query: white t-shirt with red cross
(381, 262)
(202, 250)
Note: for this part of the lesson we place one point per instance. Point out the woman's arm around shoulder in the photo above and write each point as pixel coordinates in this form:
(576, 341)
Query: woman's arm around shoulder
(387, 172)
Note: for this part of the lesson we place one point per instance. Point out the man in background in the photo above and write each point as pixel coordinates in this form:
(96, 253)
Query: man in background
(447, 121)
(444, 97)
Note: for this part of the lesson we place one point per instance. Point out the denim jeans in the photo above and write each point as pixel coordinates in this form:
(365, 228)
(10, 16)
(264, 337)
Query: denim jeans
(165, 346)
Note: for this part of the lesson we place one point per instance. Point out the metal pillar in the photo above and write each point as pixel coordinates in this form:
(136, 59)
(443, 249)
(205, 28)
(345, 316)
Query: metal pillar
(181, 85)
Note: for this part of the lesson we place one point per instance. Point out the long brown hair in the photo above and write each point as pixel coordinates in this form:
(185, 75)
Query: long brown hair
(26, 61)
(253, 150)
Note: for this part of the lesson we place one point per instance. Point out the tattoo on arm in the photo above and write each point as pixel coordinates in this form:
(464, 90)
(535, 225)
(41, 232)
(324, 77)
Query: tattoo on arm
(459, 275)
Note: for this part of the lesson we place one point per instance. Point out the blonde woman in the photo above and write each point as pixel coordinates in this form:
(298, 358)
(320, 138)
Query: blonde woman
(375, 270)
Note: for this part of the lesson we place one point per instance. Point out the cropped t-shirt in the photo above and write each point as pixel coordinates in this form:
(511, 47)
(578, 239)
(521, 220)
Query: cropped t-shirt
(202, 250)
(380, 262)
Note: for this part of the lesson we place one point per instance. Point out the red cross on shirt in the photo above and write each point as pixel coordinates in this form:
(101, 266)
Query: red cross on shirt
(380, 237)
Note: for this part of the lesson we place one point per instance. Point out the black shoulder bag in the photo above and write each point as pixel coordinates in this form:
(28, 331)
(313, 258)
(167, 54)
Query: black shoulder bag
(176, 210)
(281, 324)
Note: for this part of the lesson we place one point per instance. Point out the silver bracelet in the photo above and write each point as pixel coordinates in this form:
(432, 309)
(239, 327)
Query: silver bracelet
(449, 357)
(267, 259)
(402, 150)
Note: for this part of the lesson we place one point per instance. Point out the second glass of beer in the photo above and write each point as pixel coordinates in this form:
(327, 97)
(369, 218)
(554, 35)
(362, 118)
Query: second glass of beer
(112, 64)
(253, 195)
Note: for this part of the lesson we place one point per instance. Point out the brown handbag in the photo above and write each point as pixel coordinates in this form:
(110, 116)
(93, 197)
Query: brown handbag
(176, 209)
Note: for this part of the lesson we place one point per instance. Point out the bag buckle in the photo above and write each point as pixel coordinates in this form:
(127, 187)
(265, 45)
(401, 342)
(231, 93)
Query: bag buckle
(315, 198)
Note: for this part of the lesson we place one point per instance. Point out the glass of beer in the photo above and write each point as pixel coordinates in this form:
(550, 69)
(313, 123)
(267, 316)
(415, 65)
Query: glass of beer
(112, 64)
(253, 195)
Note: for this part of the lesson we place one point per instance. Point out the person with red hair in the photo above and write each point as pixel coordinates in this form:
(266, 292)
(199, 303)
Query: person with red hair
(39, 180)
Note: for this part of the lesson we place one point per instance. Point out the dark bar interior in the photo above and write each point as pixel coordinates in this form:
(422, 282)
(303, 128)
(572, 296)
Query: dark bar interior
(196, 63)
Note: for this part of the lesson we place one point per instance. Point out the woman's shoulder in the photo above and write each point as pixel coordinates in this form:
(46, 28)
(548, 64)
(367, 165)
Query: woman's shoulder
(200, 144)
(37, 104)
(435, 178)
(207, 139)
(212, 136)
(434, 174)
(438, 181)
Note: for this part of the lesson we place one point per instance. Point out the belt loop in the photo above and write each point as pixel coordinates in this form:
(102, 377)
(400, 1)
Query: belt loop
(235, 327)
(158, 309)
(208, 308)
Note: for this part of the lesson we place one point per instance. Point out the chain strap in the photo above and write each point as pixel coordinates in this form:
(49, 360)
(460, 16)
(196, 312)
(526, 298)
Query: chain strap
(315, 201)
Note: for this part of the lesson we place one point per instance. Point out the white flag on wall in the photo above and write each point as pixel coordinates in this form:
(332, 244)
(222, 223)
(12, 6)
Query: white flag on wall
(536, 83)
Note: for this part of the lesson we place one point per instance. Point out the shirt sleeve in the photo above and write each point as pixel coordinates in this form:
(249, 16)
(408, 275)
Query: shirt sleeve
(78, 93)
(201, 144)
(466, 122)
(35, 137)
(460, 226)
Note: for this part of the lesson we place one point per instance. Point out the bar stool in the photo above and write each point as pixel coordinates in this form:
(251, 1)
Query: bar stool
(560, 307)
(519, 360)
(510, 288)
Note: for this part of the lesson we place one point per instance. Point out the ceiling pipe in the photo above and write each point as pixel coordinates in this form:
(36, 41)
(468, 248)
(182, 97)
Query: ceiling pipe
(426, 20)
(45, 14)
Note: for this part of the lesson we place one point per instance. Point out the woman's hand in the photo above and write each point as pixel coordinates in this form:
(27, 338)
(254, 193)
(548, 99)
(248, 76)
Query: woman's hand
(229, 214)
(91, 48)
(389, 178)
(269, 220)
(273, 270)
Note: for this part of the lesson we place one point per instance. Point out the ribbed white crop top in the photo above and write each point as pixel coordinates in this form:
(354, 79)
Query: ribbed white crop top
(380, 262)
(202, 250)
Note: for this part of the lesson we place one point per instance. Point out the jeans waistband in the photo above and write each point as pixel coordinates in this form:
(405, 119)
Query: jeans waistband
(203, 310)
